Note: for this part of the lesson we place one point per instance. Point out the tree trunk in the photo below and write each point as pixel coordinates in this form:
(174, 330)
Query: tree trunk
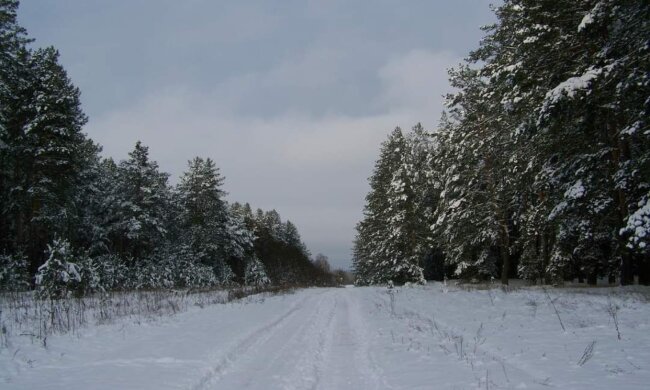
(505, 257)
(546, 257)
(592, 279)
(505, 253)
(611, 279)
(644, 270)
(620, 154)
(627, 277)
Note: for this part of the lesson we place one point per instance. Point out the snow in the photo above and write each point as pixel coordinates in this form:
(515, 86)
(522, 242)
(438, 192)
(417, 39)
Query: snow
(435, 336)
(632, 129)
(571, 86)
(531, 39)
(576, 191)
(586, 21)
(638, 224)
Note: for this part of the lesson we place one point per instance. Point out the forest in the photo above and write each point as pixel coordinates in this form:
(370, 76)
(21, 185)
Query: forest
(504, 246)
(538, 169)
(74, 223)
(540, 165)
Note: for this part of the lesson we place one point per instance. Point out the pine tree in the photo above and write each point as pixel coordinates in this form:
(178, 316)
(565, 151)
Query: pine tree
(206, 226)
(560, 69)
(256, 274)
(13, 273)
(425, 180)
(14, 61)
(239, 244)
(388, 221)
(45, 151)
(476, 211)
(143, 201)
(272, 223)
(58, 276)
(93, 202)
(289, 235)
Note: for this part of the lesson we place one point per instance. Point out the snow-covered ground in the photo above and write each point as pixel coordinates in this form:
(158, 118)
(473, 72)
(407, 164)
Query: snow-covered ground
(431, 337)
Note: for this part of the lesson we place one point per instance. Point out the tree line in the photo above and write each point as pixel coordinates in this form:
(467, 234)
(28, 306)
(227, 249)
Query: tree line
(540, 165)
(74, 222)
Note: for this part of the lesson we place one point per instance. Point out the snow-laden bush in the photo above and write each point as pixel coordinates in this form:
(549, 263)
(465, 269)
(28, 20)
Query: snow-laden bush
(174, 269)
(255, 274)
(90, 281)
(113, 272)
(194, 275)
(225, 275)
(13, 273)
(188, 273)
(638, 227)
(58, 277)
(151, 274)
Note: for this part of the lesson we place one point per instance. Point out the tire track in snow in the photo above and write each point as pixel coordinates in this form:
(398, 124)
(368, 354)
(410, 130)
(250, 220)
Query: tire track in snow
(356, 329)
(284, 358)
(315, 341)
(244, 345)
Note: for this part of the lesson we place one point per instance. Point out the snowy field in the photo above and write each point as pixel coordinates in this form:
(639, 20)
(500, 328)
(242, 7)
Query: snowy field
(432, 337)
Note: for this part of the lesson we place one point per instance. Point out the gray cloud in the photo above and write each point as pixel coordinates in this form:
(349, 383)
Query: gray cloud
(291, 99)
(312, 169)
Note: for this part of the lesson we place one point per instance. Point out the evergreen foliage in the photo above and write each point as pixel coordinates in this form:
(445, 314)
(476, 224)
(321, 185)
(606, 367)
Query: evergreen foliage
(387, 239)
(256, 274)
(59, 276)
(540, 165)
(74, 222)
(13, 273)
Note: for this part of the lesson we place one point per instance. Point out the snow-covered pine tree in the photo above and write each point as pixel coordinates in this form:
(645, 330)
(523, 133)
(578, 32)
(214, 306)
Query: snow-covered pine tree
(59, 276)
(43, 147)
(256, 273)
(476, 212)
(239, 244)
(13, 64)
(144, 200)
(13, 273)
(385, 247)
(571, 77)
(272, 223)
(425, 179)
(245, 213)
(362, 263)
(371, 230)
(93, 202)
(206, 226)
(289, 235)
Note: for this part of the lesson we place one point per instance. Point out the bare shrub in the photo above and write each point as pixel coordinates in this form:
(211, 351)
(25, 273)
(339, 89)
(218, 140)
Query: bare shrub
(21, 314)
(557, 313)
(612, 310)
(459, 345)
(391, 294)
(479, 338)
(587, 354)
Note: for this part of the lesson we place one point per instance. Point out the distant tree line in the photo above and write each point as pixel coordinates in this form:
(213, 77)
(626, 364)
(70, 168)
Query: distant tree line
(73, 222)
(540, 166)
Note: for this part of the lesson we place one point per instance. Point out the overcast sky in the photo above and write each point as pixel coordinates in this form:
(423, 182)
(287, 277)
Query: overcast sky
(291, 98)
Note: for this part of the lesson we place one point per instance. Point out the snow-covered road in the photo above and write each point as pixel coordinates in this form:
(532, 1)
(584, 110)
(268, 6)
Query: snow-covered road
(355, 338)
(318, 343)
